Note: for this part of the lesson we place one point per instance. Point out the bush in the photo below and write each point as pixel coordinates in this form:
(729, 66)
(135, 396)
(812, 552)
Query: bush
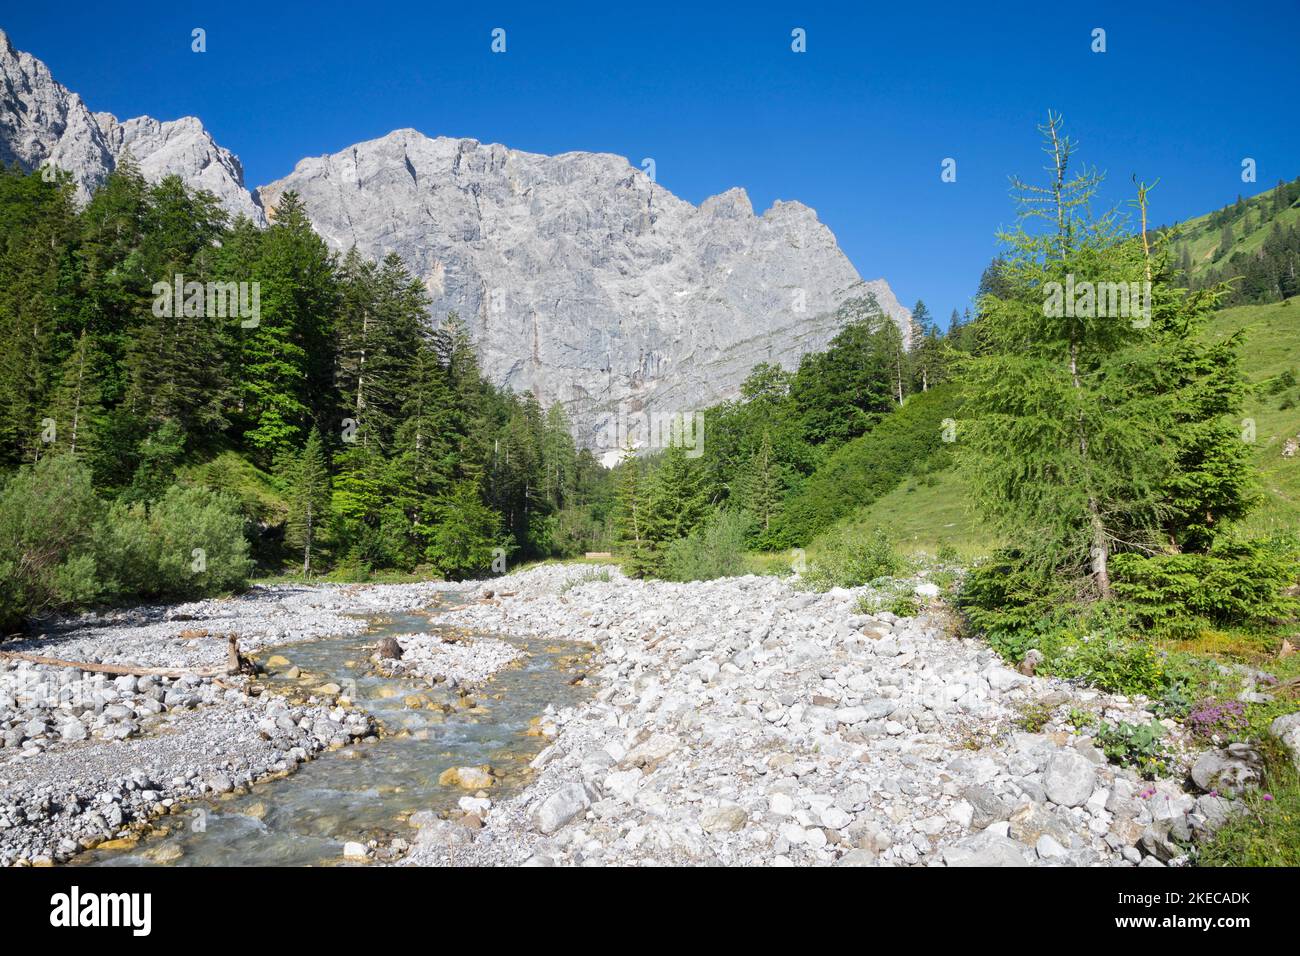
(1236, 584)
(47, 513)
(1109, 662)
(60, 548)
(847, 559)
(188, 544)
(714, 550)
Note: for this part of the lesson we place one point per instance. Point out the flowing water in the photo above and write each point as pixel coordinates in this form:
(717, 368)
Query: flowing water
(367, 789)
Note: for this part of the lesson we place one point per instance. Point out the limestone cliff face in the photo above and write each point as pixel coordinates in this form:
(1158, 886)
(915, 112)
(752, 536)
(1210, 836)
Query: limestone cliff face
(41, 121)
(581, 279)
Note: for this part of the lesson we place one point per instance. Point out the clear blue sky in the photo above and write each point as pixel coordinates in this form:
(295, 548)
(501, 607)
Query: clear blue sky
(856, 127)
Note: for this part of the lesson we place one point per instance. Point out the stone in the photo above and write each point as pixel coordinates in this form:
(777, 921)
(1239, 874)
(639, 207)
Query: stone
(1048, 848)
(389, 649)
(984, 849)
(1287, 730)
(467, 778)
(560, 807)
(355, 851)
(1158, 845)
(164, 853)
(1032, 660)
(1229, 769)
(780, 804)
(723, 819)
(1069, 778)
(857, 857)
(834, 818)
(1032, 821)
(986, 806)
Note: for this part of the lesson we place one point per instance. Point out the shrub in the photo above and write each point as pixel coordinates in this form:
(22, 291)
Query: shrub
(848, 559)
(714, 550)
(47, 513)
(188, 544)
(1111, 663)
(1014, 602)
(1238, 583)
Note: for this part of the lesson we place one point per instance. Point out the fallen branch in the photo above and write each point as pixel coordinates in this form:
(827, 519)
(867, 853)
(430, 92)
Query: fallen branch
(236, 664)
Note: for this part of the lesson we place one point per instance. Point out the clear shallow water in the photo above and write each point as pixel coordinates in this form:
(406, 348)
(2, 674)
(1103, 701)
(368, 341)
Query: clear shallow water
(365, 790)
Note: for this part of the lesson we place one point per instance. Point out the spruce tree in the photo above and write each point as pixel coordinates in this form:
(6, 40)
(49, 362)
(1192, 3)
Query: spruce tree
(309, 497)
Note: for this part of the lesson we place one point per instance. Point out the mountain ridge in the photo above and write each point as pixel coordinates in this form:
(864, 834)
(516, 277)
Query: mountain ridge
(581, 279)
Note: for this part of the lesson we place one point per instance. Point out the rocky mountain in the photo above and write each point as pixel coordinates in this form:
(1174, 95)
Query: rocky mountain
(582, 279)
(41, 122)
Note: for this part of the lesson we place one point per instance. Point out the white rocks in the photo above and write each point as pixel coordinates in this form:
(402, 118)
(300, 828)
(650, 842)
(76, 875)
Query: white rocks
(429, 657)
(780, 804)
(1069, 778)
(1048, 848)
(355, 851)
(560, 807)
(823, 736)
(1227, 770)
(725, 819)
(1287, 730)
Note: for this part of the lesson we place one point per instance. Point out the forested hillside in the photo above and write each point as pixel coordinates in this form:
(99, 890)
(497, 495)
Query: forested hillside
(210, 394)
(1254, 244)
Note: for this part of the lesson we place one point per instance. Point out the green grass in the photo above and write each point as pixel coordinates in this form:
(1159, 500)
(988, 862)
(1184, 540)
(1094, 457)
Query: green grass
(1271, 347)
(1202, 240)
(921, 515)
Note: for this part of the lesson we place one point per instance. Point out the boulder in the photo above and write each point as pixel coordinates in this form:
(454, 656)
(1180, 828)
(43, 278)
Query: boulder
(1229, 769)
(1069, 778)
(560, 807)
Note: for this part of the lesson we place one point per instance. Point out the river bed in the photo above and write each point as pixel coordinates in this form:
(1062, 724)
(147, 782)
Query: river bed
(366, 791)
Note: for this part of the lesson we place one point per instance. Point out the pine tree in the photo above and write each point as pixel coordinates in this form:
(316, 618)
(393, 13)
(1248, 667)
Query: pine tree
(288, 358)
(309, 497)
(628, 507)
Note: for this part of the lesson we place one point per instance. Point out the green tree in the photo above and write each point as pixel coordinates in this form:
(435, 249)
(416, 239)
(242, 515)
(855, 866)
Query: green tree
(1077, 418)
(308, 481)
(467, 533)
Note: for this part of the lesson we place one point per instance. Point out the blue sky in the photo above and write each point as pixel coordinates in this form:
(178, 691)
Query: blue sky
(857, 127)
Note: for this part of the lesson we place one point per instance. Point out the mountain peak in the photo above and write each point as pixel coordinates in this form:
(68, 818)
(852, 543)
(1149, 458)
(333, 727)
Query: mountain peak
(41, 122)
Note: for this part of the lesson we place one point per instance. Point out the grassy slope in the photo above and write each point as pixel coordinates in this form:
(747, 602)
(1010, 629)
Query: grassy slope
(924, 514)
(1271, 346)
(1203, 239)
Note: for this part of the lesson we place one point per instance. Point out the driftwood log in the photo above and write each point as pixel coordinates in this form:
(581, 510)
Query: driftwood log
(236, 663)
